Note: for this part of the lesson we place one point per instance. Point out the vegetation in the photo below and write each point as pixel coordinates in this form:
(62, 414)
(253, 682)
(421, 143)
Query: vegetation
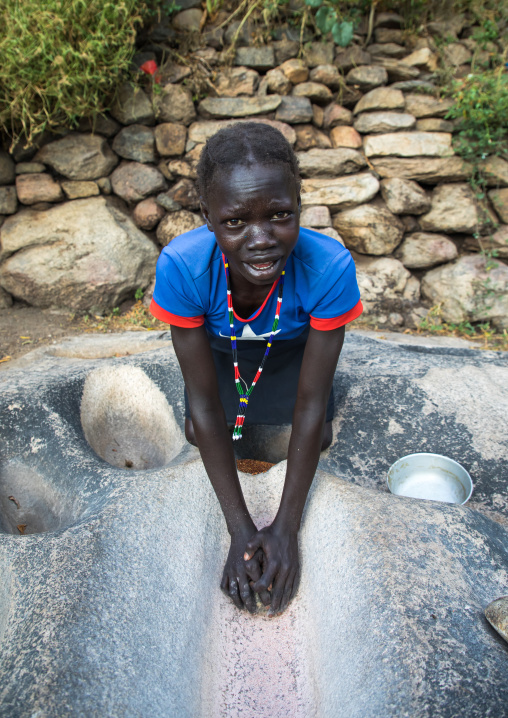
(61, 59)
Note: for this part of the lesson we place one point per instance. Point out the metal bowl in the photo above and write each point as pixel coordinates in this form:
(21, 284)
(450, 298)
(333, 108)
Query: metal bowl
(430, 476)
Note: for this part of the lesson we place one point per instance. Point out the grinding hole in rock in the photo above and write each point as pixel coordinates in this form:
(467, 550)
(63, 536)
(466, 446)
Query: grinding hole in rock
(31, 504)
(127, 420)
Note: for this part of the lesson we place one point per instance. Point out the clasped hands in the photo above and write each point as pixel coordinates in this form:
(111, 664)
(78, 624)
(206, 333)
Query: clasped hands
(263, 562)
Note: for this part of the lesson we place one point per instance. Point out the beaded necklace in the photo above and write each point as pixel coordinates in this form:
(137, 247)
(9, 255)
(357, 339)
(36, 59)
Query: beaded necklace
(244, 395)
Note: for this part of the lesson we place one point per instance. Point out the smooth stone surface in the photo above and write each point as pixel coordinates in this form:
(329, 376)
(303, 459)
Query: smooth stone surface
(383, 283)
(429, 170)
(7, 168)
(295, 70)
(170, 139)
(457, 54)
(132, 106)
(469, 289)
(77, 255)
(308, 137)
(78, 190)
(236, 81)
(381, 98)
(453, 209)
(315, 91)
(326, 75)
(366, 77)
(294, 110)
(318, 53)
(147, 214)
(496, 169)
(335, 162)
(351, 57)
(135, 142)
(133, 181)
(499, 198)
(409, 144)
(174, 104)
(496, 614)
(340, 193)
(177, 223)
(335, 114)
(259, 58)
(8, 200)
(427, 106)
(434, 124)
(277, 82)
(79, 156)
(423, 250)
(423, 58)
(216, 107)
(315, 216)
(373, 122)
(388, 586)
(495, 242)
(404, 196)
(188, 20)
(35, 188)
(397, 70)
(26, 168)
(369, 229)
(345, 137)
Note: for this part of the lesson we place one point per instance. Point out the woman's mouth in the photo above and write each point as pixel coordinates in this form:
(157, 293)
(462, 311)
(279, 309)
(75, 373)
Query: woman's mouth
(263, 265)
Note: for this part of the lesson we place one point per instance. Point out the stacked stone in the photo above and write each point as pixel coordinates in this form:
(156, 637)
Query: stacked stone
(375, 151)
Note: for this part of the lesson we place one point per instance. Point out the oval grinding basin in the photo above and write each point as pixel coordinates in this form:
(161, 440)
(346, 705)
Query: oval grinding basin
(431, 477)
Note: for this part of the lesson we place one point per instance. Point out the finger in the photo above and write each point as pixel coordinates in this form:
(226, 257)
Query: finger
(288, 592)
(266, 579)
(253, 569)
(296, 583)
(278, 592)
(252, 546)
(265, 597)
(233, 593)
(247, 596)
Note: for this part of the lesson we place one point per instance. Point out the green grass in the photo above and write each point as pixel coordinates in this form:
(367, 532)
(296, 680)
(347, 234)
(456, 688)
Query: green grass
(62, 59)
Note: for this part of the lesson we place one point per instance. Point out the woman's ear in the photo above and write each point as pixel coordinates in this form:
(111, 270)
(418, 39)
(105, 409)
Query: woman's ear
(205, 213)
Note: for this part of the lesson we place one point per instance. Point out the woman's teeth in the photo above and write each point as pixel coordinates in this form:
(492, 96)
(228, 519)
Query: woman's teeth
(263, 265)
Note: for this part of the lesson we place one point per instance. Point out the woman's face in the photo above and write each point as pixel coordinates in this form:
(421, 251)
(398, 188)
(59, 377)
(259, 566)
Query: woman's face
(254, 213)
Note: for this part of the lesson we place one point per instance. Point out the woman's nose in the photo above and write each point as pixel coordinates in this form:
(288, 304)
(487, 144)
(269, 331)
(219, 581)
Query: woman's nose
(260, 236)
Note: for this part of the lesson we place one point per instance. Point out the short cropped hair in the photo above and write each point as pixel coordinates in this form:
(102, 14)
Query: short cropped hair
(245, 143)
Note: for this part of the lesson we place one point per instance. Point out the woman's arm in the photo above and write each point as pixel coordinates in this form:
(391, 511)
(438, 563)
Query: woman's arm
(196, 362)
(280, 540)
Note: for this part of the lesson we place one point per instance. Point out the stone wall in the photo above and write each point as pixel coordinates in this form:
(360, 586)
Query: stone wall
(85, 213)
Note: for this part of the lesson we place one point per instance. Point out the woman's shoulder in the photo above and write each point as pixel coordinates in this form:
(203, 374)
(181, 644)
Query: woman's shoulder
(195, 250)
(317, 253)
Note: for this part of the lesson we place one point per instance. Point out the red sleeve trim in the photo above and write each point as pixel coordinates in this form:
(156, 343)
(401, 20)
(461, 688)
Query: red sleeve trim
(336, 322)
(164, 316)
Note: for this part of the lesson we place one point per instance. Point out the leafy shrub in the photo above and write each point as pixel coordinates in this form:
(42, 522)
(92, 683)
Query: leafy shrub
(337, 17)
(62, 59)
(481, 107)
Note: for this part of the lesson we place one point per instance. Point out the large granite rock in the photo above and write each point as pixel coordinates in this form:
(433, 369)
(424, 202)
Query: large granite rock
(495, 242)
(345, 137)
(315, 91)
(134, 181)
(381, 98)
(327, 75)
(277, 82)
(8, 200)
(381, 122)
(147, 214)
(170, 138)
(176, 223)
(499, 198)
(7, 169)
(423, 250)
(295, 70)
(429, 170)
(423, 58)
(34, 188)
(132, 106)
(108, 564)
(335, 114)
(294, 110)
(259, 58)
(235, 81)
(174, 104)
(331, 163)
(496, 170)
(75, 189)
(80, 254)
(382, 282)
(453, 209)
(369, 229)
(404, 196)
(79, 156)
(309, 137)
(339, 193)
(427, 106)
(471, 289)
(409, 144)
(135, 142)
(216, 107)
(367, 77)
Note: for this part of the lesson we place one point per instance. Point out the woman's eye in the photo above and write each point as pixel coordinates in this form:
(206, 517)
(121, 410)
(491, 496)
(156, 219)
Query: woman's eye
(233, 222)
(281, 215)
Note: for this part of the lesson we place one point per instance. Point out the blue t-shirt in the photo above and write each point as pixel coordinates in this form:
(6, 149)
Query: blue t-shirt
(319, 287)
